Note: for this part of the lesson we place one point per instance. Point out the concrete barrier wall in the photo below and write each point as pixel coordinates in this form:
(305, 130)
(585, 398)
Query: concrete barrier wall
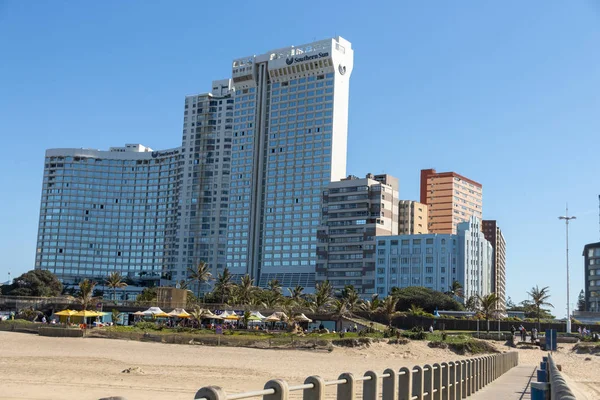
(439, 381)
(60, 332)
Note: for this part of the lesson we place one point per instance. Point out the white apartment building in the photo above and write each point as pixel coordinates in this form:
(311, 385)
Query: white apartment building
(436, 260)
(206, 149)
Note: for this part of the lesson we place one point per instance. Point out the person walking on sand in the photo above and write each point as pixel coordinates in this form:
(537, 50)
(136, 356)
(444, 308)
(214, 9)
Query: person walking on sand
(512, 330)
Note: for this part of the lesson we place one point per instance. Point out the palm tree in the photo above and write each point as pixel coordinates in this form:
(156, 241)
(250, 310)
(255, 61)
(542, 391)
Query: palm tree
(415, 311)
(456, 289)
(115, 315)
(388, 309)
(196, 314)
(246, 290)
(270, 299)
(223, 285)
(296, 294)
(539, 298)
(340, 310)
(86, 288)
(200, 274)
(371, 306)
(115, 281)
(322, 297)
(488, 306)
(274, 286)
(471, 303)
(353, 300)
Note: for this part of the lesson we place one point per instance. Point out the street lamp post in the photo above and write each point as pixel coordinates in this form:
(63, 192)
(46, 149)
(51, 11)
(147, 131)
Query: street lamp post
(568, 218)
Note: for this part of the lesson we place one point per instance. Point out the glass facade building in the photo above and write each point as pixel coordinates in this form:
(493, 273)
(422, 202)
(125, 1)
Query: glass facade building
(105, 211)
(242, 191)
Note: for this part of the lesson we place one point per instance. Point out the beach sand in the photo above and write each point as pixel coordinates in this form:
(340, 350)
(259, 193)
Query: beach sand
(35, 367)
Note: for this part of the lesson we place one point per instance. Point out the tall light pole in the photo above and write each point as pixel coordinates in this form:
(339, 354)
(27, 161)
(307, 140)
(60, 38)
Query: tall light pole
(567, 219)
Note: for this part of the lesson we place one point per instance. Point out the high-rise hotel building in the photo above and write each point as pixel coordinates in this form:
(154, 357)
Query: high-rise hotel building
(105, 211)
(289, 141)
(242, 191)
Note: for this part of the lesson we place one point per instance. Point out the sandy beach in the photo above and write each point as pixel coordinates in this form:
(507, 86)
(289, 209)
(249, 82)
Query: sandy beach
(35, 367)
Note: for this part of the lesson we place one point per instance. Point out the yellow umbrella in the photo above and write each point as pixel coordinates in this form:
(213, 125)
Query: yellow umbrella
(65, 313)
(182, 315)
(232, 317)
(86, 313)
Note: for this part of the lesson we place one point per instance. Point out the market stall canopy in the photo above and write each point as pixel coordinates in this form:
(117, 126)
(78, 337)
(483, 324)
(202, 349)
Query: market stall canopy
(209, 315)
(232, 317)
(302, 318)
(153, 311)
(162, 315)
(139, 313)
(254, 318)
(258, 314)
(179, 313)
(276, 317)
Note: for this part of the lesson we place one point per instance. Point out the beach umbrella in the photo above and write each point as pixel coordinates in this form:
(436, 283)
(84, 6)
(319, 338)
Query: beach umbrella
(65, 313)
(86, 314)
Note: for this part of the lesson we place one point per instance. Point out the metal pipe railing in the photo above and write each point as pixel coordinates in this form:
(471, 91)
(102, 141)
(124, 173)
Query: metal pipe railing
(452, 380)
(559, 390)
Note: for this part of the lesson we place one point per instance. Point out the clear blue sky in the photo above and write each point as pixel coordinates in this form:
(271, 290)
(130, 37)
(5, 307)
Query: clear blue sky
(506, 93)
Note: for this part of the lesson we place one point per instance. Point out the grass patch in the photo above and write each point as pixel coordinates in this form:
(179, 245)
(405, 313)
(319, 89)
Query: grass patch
(461, 344)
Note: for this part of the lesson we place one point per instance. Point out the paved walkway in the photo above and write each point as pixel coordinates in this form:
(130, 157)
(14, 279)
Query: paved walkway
(512, 385)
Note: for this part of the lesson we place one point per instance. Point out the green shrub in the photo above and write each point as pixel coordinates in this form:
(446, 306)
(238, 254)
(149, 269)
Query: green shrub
(416, 333)
(148, 326)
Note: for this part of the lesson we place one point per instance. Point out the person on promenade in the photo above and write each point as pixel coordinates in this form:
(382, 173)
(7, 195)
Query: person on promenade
(513, 330)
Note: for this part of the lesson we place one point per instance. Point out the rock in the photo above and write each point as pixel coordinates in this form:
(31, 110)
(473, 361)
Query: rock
(132, 370)
(113, 398)
(588, 359)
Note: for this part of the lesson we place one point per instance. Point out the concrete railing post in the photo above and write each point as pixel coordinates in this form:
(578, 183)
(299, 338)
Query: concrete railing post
(371, 386)
(390, 385)
(281, 388)
(480, 374)
(427, 382)
(405, 384)
(462, 382)
(468, 377)
(445, 376)
(476, 373)
(211, 393)
(437, 382)
(417, 382)
(318, 390)
(452, 367)
(345, 391)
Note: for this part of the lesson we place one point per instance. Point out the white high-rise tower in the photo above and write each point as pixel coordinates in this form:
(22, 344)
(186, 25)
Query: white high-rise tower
(289, 141)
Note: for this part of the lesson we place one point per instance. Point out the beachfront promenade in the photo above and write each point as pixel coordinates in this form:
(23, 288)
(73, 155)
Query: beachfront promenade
(448, 380)
(515, 384)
